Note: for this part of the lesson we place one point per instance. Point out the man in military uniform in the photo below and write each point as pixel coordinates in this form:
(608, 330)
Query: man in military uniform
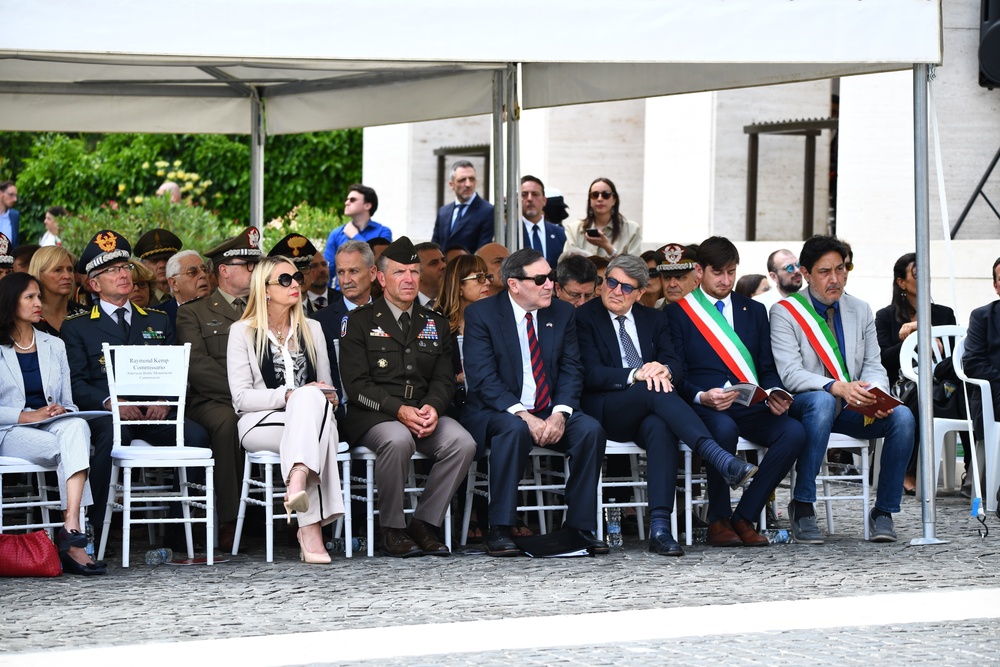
(114, 320)
(396, 363)
(153, 249)
(204, 322)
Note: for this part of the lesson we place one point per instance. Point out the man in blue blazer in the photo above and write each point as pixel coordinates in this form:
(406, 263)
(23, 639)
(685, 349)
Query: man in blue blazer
(536, 232)
(630, 374)
(523, 369)
(10, 217)
(467, 221)
(723, 339)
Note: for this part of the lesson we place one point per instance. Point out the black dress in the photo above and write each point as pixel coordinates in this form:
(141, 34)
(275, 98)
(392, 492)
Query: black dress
(72, 308)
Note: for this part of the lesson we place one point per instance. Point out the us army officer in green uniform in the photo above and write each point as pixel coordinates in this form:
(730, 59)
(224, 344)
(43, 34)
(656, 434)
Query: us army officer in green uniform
(396, 365)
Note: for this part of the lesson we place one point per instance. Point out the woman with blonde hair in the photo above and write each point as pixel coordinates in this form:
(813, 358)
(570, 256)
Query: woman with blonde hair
(282, 388)
(143, 281)
(52, 267)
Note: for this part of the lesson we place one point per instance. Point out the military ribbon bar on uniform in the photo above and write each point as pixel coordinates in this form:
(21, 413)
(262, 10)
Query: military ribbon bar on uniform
(818, 333)
(720, 336)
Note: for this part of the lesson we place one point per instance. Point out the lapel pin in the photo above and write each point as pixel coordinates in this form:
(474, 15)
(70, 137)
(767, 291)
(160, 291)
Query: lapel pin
(548, 324)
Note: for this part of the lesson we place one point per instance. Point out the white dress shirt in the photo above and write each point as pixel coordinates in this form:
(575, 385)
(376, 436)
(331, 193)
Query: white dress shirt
(528, 387)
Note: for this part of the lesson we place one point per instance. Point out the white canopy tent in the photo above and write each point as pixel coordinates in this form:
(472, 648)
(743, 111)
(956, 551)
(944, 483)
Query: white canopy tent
(224, 66)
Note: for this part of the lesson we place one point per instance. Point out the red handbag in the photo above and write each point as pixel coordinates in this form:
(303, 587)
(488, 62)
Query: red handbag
(31, 555)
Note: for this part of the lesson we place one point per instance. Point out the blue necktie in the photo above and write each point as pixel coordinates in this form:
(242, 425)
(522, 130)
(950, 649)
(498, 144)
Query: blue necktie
(632, 357)
(459, 212)
(720, 306)
(536, 240)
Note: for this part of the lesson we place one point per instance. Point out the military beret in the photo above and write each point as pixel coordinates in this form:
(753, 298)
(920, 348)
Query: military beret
(157, 244)
(245, 244)
(106, 247)
(402, 251)
(677, 260)
(295, 247)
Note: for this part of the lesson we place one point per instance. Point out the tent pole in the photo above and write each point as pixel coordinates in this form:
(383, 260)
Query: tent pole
(257, 161)
(498, 178)
(513, 203)
(924, 360)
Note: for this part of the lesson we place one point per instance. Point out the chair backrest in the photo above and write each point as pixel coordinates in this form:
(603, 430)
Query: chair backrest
(143, 375)
(983, 385)
(948, 334)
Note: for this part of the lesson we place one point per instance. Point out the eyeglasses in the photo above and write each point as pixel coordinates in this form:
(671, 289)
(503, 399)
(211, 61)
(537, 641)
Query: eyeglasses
(791, 268)
(351, 200)
(250, 265)
(601, 194)
(615, 284)
(318, 265)
(481, 278)
(194, 271)
(114, 270)
(654, 272)
(285, 280)
(539, 280)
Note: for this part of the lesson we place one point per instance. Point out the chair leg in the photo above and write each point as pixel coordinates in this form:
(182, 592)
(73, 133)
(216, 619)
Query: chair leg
(186, 512)
(539, 494)
(370, 504)
(600, 504)
(865, 491)
(126, 513)
(210, 541)
(470, 495)
(107, 515)
(688, 506)
(827, 491)
(348, 528)
(241, 514)
(269, 511)
(640, 496)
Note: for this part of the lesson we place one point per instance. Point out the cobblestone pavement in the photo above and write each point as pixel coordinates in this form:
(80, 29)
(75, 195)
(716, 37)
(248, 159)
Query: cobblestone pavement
(246, 597)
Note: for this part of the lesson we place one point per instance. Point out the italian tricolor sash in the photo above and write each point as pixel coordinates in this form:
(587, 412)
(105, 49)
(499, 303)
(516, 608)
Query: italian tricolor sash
(818, 333)
(716, 330)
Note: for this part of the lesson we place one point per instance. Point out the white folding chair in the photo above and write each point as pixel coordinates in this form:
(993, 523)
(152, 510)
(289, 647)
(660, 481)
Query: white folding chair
(636, 482)
(944, 429)
(828, 476)
(24, 498)
(160, 371)
(991, 430)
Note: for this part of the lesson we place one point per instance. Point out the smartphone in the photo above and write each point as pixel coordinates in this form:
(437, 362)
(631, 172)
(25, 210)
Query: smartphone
(594, 233)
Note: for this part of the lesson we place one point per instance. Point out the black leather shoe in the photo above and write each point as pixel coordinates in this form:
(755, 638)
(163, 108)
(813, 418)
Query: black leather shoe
(397, 544)
(594, 546)
(739, 473)
(498, 542)
(664, 544)
(70, 566)
(423, 534)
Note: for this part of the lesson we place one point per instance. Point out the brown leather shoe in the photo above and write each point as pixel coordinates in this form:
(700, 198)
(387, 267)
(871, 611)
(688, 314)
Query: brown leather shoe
(396, 543)
(423, 534)
(227, 533)
(748, 534)
(721, 534)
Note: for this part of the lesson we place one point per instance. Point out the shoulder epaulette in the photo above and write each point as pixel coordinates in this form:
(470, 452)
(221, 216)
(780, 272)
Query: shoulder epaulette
(75, 315)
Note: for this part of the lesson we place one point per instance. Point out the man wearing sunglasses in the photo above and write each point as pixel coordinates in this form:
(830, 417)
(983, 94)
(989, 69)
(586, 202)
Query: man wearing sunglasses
(783, 270)
(360, 205)
(205, 322)
(523, 369)
(576, 280)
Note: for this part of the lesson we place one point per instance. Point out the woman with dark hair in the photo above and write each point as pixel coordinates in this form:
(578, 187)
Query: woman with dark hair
(604, 231)
(34, 387)
(52, 266)
(751, 285)
(654, 288)
(465, 280)
(894, 324)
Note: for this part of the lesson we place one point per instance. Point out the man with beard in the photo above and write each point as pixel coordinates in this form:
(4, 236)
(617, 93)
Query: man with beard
(783, 270)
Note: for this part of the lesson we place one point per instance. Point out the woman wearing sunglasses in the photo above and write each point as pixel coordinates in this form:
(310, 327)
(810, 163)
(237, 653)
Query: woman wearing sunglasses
(282, 386)
(605, 231)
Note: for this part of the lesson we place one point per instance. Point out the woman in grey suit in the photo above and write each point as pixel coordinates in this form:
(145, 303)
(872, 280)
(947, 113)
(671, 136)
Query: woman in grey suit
(34, 387)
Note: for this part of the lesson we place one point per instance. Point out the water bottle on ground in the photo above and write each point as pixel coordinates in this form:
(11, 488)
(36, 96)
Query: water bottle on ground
(159, 556)
(338, 545)
(90, 539)
(613, 516)
(777, 536)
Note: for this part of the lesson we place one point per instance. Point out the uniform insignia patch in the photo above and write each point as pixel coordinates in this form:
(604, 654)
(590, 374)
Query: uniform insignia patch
(382, 363)
(377, 331)
(429, 331)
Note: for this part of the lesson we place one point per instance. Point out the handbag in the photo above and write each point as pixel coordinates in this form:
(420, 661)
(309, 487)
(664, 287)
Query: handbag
(30, 555)
(949, 391)
(905, 390)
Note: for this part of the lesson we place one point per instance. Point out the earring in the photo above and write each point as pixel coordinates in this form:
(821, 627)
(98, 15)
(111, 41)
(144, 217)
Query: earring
(267, 298)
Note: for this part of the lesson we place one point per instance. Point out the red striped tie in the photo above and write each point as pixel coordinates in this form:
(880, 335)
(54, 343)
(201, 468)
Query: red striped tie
(542, 394)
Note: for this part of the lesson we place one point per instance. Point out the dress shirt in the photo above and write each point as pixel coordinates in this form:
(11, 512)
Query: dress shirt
(633, 333)
(110, 308)
(727, 311)
(528, 387)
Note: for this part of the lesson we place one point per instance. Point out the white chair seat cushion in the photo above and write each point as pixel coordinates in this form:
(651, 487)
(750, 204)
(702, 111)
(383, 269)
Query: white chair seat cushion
(160, 453)
(14, 461)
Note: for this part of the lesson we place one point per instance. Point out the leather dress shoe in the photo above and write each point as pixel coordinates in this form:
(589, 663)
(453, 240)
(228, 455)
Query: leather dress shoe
(595, 546)
(397, 544)
(739, 473)
(498, 542)
(423, 534)
(227, 534)
(748, 534)
(721, 534)
(664, 544)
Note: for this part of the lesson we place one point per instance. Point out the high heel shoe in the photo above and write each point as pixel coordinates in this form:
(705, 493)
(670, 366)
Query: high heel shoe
(71, 538)
(321, 558)
(297, 502)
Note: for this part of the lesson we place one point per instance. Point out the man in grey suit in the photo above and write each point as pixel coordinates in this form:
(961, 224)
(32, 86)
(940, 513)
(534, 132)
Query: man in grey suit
(827, 354)
(204, 322)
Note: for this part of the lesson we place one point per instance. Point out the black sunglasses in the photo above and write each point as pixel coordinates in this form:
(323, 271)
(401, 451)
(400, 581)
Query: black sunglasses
(540, 280)
(602, 194)
(614, 284)
(285, 280)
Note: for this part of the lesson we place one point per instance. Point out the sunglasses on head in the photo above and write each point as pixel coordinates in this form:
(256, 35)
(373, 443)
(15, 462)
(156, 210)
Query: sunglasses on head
(481, 278)
(601, 194)
(540, 280)
(615, 284)
(285, 279)
(791, 268)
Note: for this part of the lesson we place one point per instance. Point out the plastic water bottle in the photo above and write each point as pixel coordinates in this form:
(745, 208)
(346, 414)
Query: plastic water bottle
(777, 536)
(338, 545)
(159, 556)
(699, 535)
(90, 539)
(613, 516)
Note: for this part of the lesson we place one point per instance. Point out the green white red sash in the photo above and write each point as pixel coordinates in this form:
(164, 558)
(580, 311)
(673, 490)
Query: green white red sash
(720, 335)
(818, 333)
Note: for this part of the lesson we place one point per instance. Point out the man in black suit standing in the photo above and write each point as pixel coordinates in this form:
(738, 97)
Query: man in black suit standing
(545, 237)
(629, 387)
(467, 221)
(523, 368)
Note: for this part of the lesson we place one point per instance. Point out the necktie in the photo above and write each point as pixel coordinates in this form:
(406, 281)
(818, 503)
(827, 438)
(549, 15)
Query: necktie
(632, 358)
(542, 394)
(720, 306)
(122, 322)
(239, 305)
(320, 302)
(459, 212)
(404, 323)
(536, 239)
(830, 311)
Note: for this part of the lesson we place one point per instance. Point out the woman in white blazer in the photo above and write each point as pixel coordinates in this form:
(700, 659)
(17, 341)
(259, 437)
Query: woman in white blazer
(280, 378)
(34, 387)
(605, 231)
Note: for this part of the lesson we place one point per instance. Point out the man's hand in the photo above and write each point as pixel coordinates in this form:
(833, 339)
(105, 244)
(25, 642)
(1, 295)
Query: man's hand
(718, 399)
(853, 393)
(156, 412)
(555, 426)
(420, 423)
(535, 425)
(778, 404)
(656, 376)
(430, 416)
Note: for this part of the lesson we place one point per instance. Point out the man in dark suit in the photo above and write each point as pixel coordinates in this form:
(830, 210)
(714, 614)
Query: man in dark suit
(723, 339)
(10, 217)
(510, 409)
(396, 362)
(204, 322)
(467, 221)
(538, 233)
(628, 386)
(114, 320)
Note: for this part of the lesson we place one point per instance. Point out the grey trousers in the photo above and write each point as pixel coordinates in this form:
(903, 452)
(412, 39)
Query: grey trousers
(304, 432)
(220, 421)
(452, 450)
(64, 443)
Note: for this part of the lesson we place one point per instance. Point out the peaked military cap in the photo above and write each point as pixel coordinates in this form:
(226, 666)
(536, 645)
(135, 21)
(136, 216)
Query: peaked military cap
(677, 259)
(157, 244)
(106, 247)
(295, 247)
(245, 244)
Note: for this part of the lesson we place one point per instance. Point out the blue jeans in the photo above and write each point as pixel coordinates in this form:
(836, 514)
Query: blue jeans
(817, 410)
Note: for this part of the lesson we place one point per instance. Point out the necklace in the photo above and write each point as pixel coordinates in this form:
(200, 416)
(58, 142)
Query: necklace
(30, 345)
(279, 335)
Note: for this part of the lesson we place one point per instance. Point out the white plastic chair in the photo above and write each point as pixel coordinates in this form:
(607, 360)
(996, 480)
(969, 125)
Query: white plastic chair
(991, 430)
(949, 334)
(154, 370)
(635, 481)
(828, 478)
(24, 499)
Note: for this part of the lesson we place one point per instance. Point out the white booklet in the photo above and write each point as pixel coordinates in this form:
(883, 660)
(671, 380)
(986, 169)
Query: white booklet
(83, 414)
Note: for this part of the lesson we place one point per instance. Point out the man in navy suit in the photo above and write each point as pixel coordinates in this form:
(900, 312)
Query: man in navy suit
(630, 373)
(467, 221)
(523, 368)
(723, 339)
(10, 217)
(538, 233)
